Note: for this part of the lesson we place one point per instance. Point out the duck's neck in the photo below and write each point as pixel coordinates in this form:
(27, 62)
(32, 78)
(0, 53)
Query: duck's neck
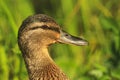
(40, 65)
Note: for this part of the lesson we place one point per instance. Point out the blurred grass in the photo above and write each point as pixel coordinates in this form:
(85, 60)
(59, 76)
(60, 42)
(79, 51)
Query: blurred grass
(97, 20)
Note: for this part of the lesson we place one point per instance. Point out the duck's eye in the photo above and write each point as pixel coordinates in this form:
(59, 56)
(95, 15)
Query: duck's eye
(44, 27)
(52, 28)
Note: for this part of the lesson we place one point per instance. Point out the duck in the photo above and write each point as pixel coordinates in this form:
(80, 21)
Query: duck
(36, 33)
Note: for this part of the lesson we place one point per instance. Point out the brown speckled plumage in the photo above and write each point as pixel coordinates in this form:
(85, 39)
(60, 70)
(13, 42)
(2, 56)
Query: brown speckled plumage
(36, 33)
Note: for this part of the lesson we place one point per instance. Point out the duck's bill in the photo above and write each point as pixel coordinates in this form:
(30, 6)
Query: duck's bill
(69, 39)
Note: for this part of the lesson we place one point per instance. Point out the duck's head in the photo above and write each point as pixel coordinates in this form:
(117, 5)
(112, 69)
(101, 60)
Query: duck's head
(42, 29)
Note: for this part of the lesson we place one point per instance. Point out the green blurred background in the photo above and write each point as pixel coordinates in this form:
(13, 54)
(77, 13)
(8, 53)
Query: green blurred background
(98, 21)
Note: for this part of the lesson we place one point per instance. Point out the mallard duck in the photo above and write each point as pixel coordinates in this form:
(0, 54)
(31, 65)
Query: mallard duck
(35, 35)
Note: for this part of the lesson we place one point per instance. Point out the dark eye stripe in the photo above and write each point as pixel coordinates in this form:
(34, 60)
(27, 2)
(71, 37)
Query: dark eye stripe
(33, 28)
(45, 27)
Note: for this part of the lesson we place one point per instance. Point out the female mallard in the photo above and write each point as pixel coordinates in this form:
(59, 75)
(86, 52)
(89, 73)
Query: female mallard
(36, 33)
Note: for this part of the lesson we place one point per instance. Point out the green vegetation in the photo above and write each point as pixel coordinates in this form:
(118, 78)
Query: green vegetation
(97, 20)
